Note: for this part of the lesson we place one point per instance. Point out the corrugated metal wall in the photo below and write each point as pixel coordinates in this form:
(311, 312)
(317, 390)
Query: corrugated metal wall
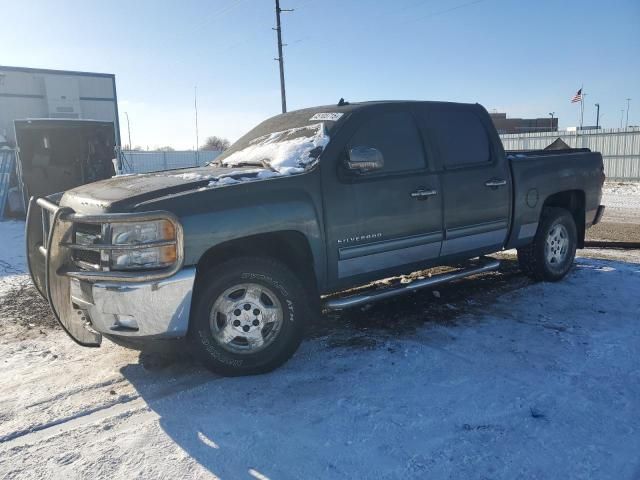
(620, 148)
(143, 162)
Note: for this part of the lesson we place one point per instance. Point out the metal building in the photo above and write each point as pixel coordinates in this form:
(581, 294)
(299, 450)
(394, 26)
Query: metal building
(40, 93)
(506, 125)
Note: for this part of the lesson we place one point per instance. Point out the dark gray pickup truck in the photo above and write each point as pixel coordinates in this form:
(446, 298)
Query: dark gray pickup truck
(237, 256)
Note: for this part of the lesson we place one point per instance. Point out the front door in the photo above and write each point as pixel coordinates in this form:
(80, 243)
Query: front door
(386, 220)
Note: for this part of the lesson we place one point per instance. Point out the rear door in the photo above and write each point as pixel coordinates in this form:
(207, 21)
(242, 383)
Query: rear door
(476, 184)
(385, 220)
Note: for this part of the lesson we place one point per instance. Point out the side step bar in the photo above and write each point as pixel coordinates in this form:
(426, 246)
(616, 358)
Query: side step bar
(340, 303)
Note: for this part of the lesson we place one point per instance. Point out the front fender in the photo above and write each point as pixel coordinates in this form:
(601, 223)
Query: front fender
(206, 230)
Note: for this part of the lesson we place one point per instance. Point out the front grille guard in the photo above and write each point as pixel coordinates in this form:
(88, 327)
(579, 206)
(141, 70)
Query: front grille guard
(51, 267)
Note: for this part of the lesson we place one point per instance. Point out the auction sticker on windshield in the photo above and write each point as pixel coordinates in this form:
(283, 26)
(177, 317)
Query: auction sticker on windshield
(333, 116)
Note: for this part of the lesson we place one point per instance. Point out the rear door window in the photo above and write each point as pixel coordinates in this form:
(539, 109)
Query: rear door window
(461, 138)
(396, 135)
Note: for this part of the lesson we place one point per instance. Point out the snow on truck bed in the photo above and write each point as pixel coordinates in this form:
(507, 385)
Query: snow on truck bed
(541, 382)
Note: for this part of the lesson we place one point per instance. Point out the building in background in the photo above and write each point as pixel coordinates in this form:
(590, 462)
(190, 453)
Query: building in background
(39, 93)
(506, 125)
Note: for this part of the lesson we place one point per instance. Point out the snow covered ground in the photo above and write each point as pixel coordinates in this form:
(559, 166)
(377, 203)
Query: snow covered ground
(615, 190)
(494, 377)
(621, 220)
(625, 196)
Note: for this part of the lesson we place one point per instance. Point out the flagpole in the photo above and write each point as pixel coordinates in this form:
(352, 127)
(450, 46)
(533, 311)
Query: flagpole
(581, 107)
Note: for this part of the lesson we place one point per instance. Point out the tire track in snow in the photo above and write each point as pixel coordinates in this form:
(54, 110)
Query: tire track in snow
(68, 419)
(130, 405)
(75, 391)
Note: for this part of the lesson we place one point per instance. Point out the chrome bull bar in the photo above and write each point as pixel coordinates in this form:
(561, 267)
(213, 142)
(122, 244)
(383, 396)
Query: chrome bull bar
(50, 242)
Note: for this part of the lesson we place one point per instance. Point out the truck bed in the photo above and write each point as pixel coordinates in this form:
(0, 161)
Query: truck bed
(577, 171)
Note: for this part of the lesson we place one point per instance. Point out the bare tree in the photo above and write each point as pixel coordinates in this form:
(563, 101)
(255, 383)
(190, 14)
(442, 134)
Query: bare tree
(216, 143)
(166, 149)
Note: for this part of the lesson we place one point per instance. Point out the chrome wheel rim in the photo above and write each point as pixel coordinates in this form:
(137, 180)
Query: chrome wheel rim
(246, 318)
(556, 247)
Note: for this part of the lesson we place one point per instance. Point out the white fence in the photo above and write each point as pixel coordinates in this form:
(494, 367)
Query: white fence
(143, 162)
(620, 148)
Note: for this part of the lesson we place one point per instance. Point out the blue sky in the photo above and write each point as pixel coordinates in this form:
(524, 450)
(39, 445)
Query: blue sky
(525, 58)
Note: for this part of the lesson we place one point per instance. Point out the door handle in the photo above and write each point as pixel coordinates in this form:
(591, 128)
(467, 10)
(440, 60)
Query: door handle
(423, 194)
(495, 182)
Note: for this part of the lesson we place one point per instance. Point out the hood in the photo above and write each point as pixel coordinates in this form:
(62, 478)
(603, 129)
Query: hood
(276, 154)
(128, 190)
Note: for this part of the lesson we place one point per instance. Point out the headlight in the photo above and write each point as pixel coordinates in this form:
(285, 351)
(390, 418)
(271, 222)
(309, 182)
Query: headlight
(163, 254)
(144, 232)
(158, 257)
(128, 247)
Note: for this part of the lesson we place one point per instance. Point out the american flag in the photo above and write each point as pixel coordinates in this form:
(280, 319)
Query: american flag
(577, 97)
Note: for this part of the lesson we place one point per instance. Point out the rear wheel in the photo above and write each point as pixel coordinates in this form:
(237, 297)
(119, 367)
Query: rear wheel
(248, 316)
(550, 256)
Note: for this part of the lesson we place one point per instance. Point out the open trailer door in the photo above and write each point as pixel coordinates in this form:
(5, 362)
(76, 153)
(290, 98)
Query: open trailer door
(58, 154)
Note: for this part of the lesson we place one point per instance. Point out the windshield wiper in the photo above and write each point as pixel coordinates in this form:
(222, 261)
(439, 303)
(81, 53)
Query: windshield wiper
(252, 163)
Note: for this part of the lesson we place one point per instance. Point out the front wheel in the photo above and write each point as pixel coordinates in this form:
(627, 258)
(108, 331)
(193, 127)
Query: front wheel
(248, 316)
(550, 256)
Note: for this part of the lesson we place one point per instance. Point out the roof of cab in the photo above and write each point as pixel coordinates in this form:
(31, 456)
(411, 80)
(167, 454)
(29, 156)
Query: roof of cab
(352, 106)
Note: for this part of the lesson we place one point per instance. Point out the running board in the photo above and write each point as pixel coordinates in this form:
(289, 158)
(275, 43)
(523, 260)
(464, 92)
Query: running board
(340, 303)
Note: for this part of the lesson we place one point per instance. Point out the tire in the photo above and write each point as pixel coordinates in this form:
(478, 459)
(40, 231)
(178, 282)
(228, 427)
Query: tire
(550, 256)
(248, 316)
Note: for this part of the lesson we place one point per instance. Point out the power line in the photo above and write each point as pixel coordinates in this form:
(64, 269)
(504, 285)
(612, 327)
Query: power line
(408, 21)
(204, 21)
(444, 11)
(217, 14)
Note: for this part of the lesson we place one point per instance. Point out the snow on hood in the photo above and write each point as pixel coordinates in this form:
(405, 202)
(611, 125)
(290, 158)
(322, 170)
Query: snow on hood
(244, 176)
(228, 178)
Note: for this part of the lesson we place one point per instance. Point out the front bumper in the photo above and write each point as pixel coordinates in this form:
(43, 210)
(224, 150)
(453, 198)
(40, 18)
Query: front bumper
(90, 303)
(145, 309)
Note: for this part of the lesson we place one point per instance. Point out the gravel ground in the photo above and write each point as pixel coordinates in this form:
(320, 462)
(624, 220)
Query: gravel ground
(621, 221)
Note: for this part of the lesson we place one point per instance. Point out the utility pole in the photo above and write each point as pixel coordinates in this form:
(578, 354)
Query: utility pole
(597, 115)
(280, 58)
(129, 130)
(627, 124)
(551, 114)
(195, 106)
(621, 117)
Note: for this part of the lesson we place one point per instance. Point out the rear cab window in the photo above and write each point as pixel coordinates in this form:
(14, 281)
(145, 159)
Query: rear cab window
(396, 136)
(446, 127)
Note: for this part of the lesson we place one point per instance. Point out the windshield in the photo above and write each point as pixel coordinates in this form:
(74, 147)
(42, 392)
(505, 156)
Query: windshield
(287, 144)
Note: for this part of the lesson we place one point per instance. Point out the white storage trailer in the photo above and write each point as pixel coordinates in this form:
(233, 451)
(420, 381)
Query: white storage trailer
(63, 125)
(39, 93)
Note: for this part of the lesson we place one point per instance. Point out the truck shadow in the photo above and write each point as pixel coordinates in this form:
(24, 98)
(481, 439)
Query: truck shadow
(248, 426)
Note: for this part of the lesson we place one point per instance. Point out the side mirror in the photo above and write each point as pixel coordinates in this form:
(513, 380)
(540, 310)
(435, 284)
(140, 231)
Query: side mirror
(364, 159)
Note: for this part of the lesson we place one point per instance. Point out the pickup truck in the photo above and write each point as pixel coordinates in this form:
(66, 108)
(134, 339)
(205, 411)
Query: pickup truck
(237, 256)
